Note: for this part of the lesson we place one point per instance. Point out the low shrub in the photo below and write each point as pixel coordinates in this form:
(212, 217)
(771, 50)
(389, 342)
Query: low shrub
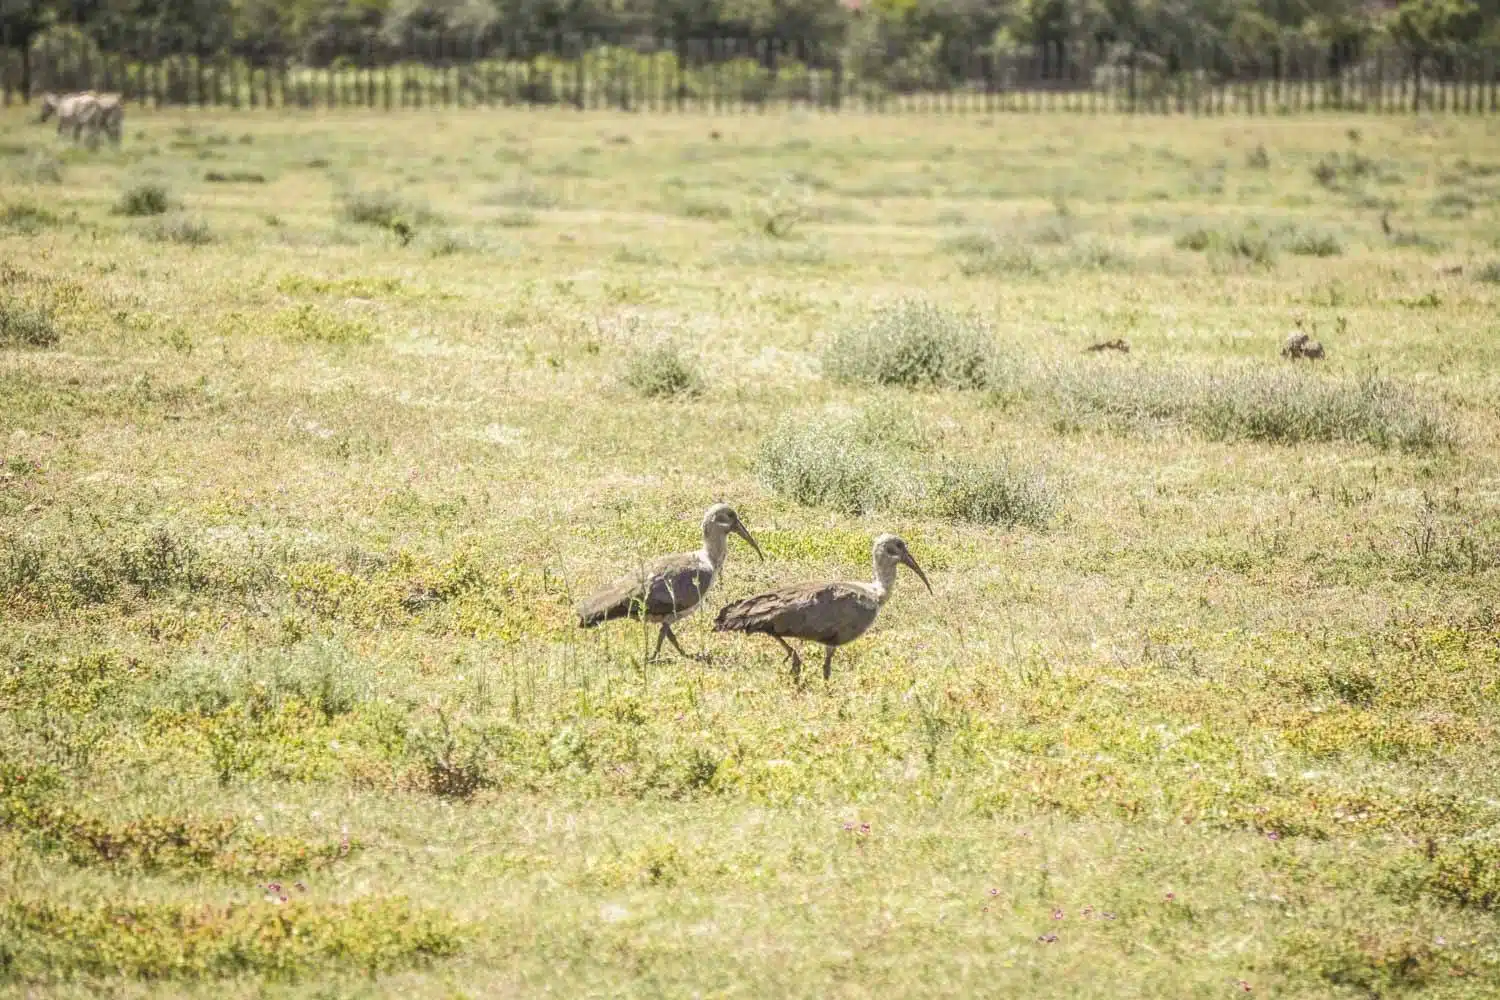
(915, 344)
(990, 492)
(23, 325)
(661, 372)
(142, 200)
(1281, 406)
(183, 230)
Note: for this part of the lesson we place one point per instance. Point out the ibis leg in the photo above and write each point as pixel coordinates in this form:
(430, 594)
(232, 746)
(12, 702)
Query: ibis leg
(796, 660)
(827, 662)
(666, 634)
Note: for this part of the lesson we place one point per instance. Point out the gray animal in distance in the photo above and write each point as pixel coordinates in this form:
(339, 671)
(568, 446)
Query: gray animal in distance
(111, 117)
(1300, 345)
(668, 589)
(74, 112)
(86, 112)
(833, 614)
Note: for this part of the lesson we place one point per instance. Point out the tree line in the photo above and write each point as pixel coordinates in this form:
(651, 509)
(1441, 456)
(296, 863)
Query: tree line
(323, 33)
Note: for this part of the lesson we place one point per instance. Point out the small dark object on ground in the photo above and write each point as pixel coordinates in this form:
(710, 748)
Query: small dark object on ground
(1300, 345)
(1118, 344)
(715, 135)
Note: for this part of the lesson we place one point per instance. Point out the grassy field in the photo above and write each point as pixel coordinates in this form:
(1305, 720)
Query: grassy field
(314, 428)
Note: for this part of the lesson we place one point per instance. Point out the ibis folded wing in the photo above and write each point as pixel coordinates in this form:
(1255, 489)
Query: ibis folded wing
(661, 589)
(830, 613)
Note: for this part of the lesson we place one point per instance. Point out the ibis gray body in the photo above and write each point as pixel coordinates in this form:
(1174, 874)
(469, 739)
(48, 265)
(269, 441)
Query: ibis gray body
(668, 589)
(831, 614)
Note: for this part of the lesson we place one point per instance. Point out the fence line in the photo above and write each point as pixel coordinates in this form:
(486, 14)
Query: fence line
(742, 75)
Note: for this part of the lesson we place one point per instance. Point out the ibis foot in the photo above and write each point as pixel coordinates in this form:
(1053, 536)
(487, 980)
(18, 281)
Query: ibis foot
(667, 636)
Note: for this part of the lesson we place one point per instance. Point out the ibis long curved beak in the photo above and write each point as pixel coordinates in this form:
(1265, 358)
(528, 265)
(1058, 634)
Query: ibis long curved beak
(744, 532)
(912, 563)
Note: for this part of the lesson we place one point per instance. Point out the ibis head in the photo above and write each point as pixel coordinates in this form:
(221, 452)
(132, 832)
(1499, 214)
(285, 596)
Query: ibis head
(721, 519)
(890, 550)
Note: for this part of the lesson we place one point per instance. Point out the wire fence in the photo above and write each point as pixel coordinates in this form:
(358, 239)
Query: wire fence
(741, 75)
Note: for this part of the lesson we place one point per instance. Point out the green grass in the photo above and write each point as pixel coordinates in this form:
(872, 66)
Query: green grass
(293, 520)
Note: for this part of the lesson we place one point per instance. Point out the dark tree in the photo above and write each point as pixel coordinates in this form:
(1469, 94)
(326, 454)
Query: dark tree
(20, 22)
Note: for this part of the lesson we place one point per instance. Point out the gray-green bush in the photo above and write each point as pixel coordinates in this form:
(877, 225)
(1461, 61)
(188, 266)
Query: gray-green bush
(23, 325)
(662, 371)
(990, 492)
(874, 461)
(142, 199)
(181, 229)
(818, 461)
(915, 344)
(1277, 406)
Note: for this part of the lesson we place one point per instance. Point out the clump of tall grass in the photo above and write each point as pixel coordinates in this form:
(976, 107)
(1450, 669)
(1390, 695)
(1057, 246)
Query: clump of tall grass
(661, 371)
(23, 325)
(1260, 244)
(234, 177)
(524, 193)
(142, 199)
(40, 167)
(985, 254)
(182, 229)
(874, 461)
(889, 424)
(385, 210)
(1097, 254)
(323, 676)
(1313, 243)
(26, 217)
(915, 344)
(372, 208)
(520, 218)
(708, 209)
(990, 492)
(1246, 244)
(1276, 406)
(819, 461)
